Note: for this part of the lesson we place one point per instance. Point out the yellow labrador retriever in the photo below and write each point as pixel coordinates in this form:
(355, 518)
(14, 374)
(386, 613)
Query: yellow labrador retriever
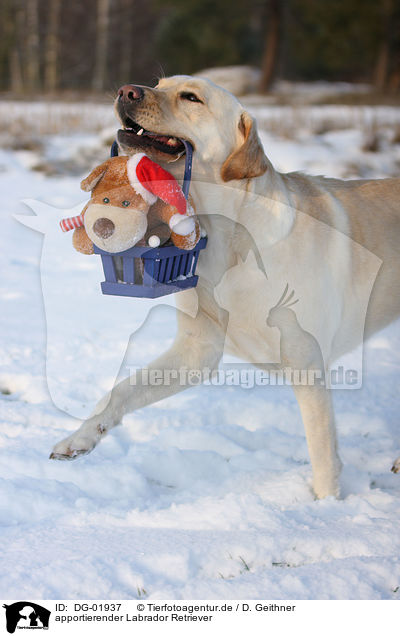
(331, 245)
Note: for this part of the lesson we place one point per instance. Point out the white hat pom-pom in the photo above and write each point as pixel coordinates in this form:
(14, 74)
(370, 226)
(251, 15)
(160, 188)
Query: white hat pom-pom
(154, 241)
(182, 224)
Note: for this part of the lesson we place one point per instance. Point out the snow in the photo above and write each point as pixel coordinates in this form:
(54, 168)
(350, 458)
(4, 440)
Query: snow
(207, 494)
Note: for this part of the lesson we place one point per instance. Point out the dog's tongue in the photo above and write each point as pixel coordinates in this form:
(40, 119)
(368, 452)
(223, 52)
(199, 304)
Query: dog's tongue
(171, 141)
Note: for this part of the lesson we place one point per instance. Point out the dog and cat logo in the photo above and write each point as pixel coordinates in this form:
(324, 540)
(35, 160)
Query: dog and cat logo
(26, 615)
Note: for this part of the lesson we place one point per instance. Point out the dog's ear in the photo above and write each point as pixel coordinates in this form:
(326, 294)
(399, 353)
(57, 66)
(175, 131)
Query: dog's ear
(97, 173)
(248, 160)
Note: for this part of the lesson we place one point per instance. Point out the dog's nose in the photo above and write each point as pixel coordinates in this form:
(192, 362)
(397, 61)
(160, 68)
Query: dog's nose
(130, 93)
(104, 228)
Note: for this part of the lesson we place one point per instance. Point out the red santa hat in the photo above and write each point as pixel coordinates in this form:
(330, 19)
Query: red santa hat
(149, 180)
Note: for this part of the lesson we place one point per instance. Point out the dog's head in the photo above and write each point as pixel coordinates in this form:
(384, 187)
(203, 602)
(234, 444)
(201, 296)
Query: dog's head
(156, 120)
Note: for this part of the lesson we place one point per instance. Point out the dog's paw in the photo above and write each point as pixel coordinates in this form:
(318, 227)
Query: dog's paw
(396, 466)
(72, 447)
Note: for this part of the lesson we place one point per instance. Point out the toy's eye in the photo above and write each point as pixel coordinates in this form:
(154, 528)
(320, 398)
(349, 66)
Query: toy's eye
(106, 200)
(126, 203)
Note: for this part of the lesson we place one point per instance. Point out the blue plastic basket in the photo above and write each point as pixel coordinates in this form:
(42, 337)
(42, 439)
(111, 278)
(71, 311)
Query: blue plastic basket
(146, 272)
(150, 272)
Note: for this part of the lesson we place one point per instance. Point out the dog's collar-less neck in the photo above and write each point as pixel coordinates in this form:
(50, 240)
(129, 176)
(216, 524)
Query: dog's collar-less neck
(187, 177)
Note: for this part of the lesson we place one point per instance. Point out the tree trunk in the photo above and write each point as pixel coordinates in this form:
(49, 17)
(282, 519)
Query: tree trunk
(381, 66)
(32, 46)
(100, 69)
(381, 71)
(17, 85)
(16, 37)
(126, 38)
(270, 56)
(51, 47)
(394, 79)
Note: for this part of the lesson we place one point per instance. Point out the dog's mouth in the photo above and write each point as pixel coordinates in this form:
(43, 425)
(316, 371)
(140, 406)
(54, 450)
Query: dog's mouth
(133, 135)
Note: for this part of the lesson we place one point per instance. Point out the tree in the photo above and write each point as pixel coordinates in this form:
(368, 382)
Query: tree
(197, 34)
(127, 39)
(32, 46)
(51, 47)
(387, 65)
(270, 56)
(12, 20)
(103, 19)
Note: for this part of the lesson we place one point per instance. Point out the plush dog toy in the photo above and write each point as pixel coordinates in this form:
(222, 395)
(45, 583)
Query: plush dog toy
(134, 202)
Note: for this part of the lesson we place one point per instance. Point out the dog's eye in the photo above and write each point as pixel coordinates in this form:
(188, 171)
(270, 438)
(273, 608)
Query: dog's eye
(106, 200)
(191, 97)
(126, 203)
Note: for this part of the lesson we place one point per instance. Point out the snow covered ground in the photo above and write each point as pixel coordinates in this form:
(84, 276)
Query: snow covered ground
(207, 494)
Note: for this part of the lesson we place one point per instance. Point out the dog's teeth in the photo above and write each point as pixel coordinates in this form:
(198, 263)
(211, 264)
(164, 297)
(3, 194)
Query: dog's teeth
(140, 132)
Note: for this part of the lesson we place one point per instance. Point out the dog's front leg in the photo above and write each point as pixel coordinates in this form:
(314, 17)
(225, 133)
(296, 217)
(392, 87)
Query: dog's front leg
(318, 418)
(199, 345)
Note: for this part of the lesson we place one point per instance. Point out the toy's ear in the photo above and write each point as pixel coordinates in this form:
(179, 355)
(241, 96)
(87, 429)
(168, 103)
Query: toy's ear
(248, 160)
(92, 180)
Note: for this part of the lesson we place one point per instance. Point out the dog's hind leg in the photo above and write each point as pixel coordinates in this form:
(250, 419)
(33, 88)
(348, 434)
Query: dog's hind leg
(199, 345)
(300, 352)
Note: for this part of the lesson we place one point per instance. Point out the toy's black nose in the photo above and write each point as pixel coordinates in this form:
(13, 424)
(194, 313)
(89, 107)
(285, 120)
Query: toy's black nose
(130, 93)
(104, 228)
